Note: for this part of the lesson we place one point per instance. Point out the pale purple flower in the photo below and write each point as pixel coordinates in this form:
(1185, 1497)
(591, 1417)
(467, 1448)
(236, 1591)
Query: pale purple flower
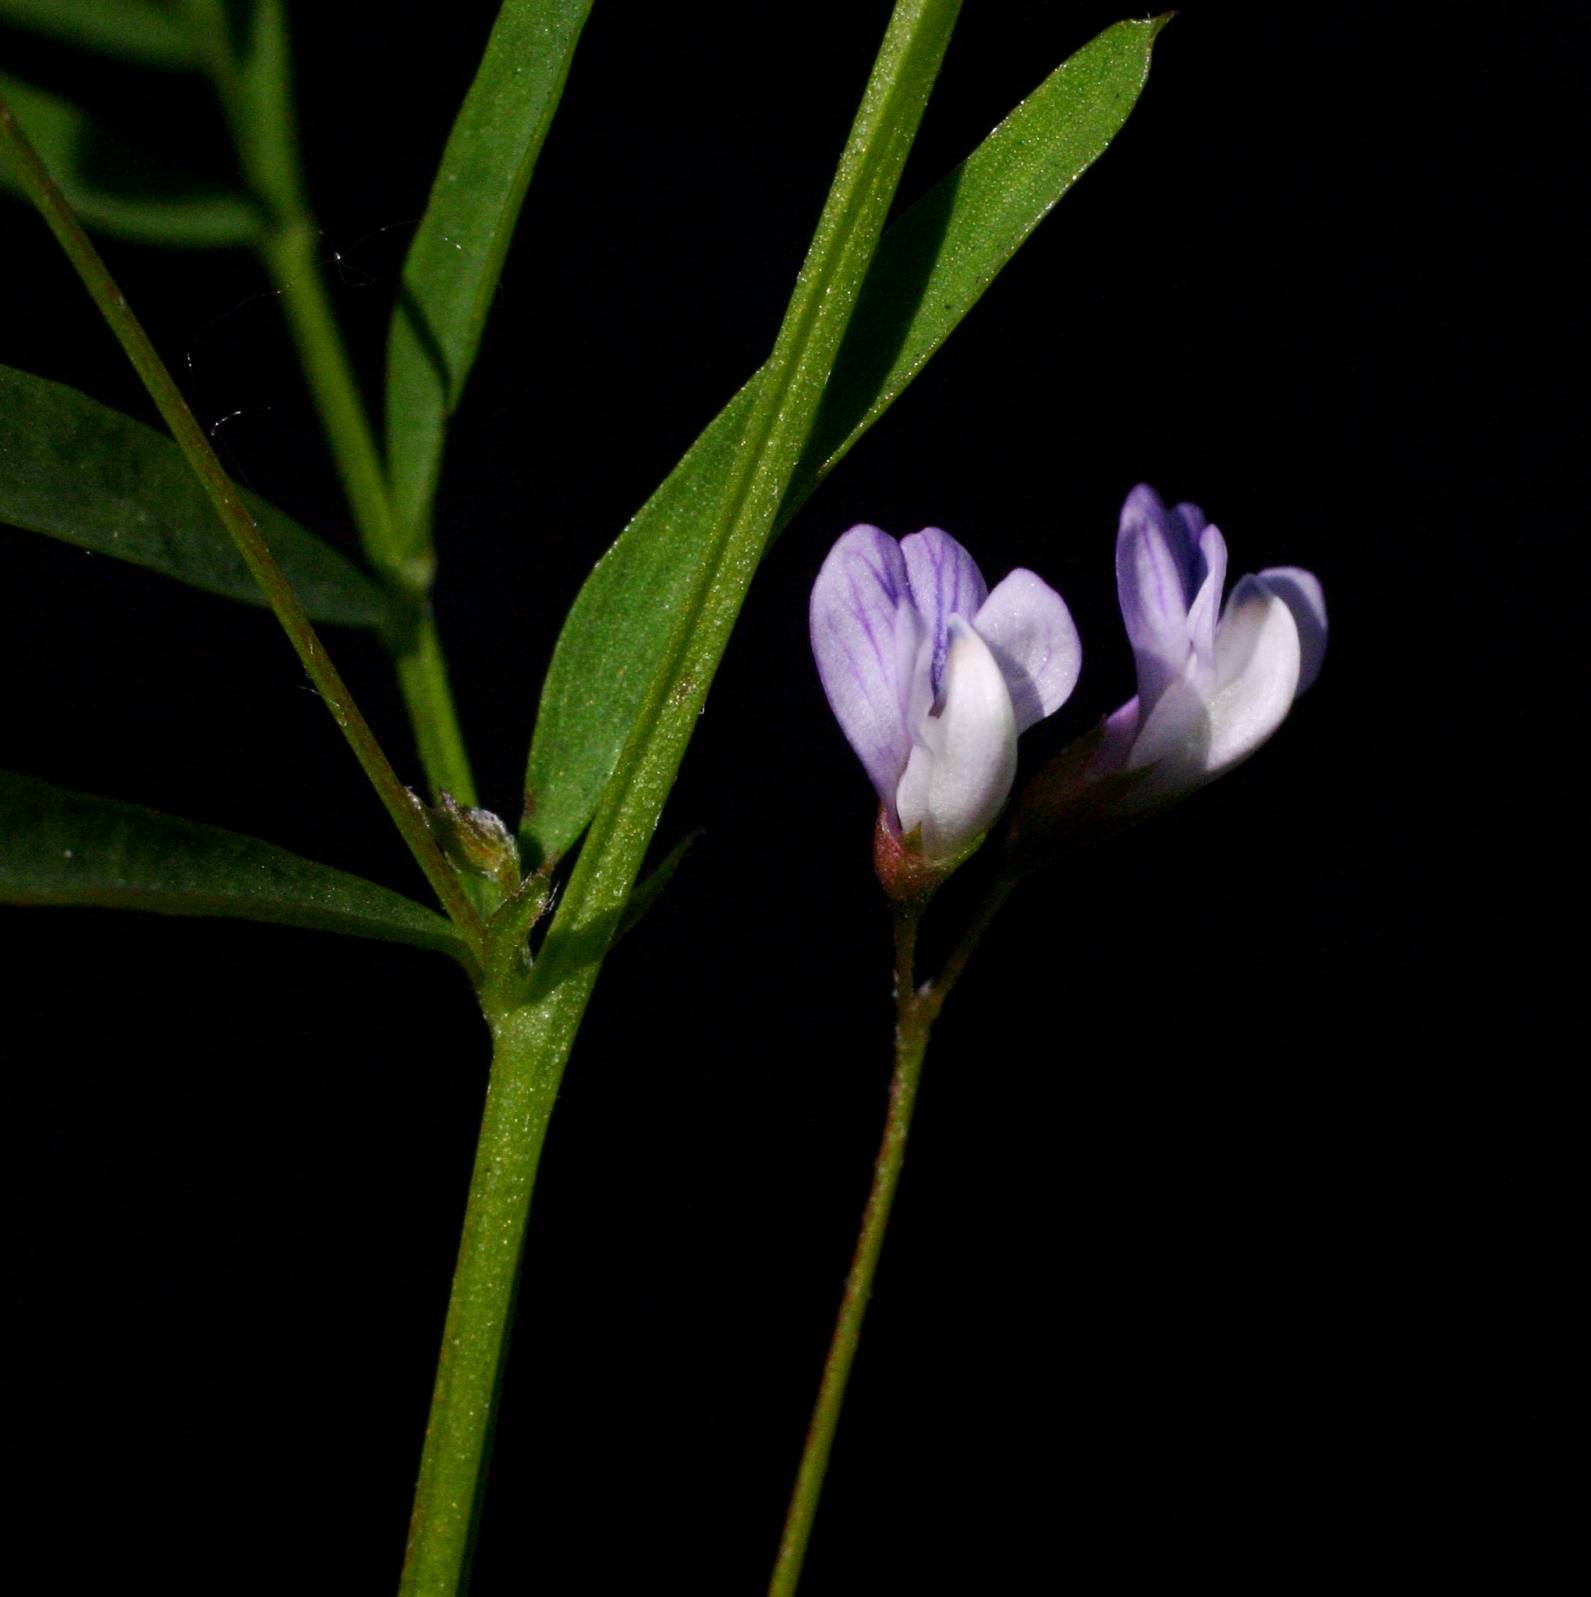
(931, 677)
(1213, 683)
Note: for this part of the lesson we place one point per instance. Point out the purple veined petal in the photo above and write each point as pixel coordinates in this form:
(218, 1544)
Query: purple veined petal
(1205, 610)
(964, 760)
(920, 693)
(1033, 639)
(865, 636)
(1192, 520)
(1188, 520)
(1302, 593)
(1151, 566)
(1257, 661)
(911, 644)
(945, 582)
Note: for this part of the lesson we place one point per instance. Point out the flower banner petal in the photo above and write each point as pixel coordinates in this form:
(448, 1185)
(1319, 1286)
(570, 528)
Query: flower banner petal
(945, 582)
(1150, 582)
(864, 639)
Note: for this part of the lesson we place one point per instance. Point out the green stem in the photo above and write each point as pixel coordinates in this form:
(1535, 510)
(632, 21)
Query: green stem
(480, 1313)
(916, 1010)
(292, 258)
(539, 1029)
(422, 674)
(291, 252)
(258, 105)
(239, 524)
(914, 1018)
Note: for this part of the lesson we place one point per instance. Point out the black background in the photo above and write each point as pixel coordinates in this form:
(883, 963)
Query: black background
(1226, 1243)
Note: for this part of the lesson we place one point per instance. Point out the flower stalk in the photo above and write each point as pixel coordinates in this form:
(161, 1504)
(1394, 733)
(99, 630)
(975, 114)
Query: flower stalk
(914, 1013)
(916, 1010)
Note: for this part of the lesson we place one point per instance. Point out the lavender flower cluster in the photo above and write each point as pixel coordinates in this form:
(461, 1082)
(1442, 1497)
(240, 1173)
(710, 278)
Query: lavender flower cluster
(932, 676)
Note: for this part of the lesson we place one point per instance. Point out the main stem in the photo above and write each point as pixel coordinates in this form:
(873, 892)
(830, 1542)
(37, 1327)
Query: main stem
(913, 1019)
(447, 1501)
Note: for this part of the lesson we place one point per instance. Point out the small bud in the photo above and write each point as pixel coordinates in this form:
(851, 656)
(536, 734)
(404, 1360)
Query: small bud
(476, 840)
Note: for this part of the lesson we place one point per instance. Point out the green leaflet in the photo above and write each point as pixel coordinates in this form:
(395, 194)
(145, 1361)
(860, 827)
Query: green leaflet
(145, 31)
(59, 847)
(779, 419)
(79, 471)
(115, 189)
(932, 266)
(457, 255)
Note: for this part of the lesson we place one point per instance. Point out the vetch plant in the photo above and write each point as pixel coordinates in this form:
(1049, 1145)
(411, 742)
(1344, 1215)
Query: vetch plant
(932, 675)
